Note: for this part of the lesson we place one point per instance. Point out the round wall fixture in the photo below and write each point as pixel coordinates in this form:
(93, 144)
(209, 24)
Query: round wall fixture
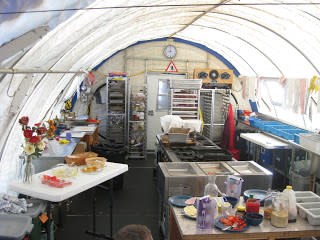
(202, 75)
(213, 75)
(225, 76)
(170, 51)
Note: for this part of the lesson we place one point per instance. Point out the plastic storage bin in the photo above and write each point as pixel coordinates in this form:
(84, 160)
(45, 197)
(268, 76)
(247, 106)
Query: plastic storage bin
(308, 204)
(298, 182)
(266, 156)
(14, 227)
(33, 212)
(39, 206)
(311, 141)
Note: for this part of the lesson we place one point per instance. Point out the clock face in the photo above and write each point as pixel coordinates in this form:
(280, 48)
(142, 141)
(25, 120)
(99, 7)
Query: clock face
(170, 51)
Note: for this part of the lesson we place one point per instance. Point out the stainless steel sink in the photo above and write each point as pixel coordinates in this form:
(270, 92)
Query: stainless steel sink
(217, 168)
(180, 169)
(246, 167)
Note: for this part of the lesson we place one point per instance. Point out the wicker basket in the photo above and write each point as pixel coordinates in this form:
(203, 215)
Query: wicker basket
(79, 158)
(98, 162)
(90, 154)
(76, 159)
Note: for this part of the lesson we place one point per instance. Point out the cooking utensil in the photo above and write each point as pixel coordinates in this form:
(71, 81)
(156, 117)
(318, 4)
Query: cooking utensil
(230, 227)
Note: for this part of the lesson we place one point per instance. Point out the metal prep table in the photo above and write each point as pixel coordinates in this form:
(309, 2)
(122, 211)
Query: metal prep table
(190, 178)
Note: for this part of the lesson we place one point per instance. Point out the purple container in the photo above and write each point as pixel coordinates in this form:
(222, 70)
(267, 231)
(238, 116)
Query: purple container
(68, 136)
(205, 212)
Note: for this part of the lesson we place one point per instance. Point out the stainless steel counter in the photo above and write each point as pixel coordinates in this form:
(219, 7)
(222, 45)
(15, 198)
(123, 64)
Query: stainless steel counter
(190, 178)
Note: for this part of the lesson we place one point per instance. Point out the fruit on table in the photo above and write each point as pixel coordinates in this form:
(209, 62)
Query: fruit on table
(54, 181)
(190, 211)
(89, 169)
(231, 220)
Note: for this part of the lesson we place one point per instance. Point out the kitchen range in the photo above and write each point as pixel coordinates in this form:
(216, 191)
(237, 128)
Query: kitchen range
(197, 149)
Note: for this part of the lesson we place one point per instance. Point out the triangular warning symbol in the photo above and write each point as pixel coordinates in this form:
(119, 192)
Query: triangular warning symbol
(171, 67)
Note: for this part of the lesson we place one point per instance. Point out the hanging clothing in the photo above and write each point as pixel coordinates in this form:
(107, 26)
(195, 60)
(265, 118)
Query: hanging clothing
(228, 136)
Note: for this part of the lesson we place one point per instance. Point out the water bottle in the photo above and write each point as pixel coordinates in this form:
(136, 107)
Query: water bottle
(292, 204)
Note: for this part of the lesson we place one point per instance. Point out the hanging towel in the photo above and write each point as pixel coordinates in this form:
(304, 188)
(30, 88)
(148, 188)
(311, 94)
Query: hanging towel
(303, 97)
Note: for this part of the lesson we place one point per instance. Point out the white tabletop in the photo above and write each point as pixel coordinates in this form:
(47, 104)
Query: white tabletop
(80, 183)
(73, 134)
(89, 128)
(264, 140)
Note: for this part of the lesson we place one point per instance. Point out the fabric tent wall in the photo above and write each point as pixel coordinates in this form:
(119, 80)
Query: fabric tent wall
(269, 39)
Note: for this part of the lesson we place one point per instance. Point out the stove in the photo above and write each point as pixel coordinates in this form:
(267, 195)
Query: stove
(203, 150)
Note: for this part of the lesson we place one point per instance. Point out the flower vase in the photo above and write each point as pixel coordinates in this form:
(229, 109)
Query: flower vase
(27, 170)
(19, 166)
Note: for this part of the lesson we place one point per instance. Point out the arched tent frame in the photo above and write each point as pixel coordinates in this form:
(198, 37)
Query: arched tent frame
(269, 38)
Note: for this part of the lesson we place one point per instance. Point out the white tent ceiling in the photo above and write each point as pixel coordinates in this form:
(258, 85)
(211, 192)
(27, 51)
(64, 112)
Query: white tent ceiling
(258, 37)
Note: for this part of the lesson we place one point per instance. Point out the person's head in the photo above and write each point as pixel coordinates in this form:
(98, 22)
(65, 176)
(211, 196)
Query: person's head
(134, 232)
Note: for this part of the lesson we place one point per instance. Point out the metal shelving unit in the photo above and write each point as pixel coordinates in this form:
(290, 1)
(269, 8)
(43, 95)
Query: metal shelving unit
(213, 105)
(116, 108)
(137, 124)
(184, 98)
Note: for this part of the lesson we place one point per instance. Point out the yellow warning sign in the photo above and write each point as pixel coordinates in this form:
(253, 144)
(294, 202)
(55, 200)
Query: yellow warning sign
(171, 67)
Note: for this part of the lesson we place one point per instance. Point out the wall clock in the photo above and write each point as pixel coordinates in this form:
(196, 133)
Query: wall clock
(170, 51)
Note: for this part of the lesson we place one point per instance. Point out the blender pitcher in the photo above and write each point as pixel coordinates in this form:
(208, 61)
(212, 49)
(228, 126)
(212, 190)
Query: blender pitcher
(233, 186)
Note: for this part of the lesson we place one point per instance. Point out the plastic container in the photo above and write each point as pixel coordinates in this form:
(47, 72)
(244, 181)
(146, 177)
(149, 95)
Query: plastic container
(205, 212)
(304, 207)
(14, 227)
(38, 207)
(298, 182)
(279, 215)
(252, 205)
(211, 189)
(314, 216)
(310, 141)
(292, 204)
(233, 186)
(306, 196)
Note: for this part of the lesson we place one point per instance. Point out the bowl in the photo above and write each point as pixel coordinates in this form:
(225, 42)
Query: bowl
(232, 200)
(254, 219)
(95, 162)
(257, 194)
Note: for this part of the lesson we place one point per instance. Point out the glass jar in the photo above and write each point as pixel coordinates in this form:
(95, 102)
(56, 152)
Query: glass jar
(267, 209)
(279, 214)
(241, 212)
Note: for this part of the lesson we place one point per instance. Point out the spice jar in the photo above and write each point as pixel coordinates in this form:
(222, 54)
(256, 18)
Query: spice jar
(241, 212)
(279, 215)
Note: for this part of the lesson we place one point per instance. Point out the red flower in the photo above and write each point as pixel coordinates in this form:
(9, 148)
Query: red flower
(38, 124)
(27, 133)
(24, 120)
(41, 130)
(34, 139)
